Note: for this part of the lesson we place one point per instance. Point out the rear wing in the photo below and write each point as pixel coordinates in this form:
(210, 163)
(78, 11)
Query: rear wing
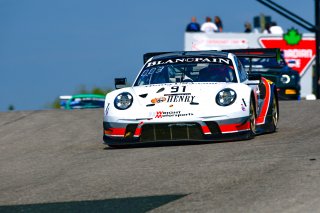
(240, 53)
(256, 53)
(147, 56)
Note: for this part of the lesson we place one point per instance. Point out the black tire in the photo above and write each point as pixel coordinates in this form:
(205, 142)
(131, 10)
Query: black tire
(275, 114)
(253, 116)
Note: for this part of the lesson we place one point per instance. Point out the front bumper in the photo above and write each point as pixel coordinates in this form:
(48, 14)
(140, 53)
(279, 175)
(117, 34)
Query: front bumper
(140, 133)
(288, 93)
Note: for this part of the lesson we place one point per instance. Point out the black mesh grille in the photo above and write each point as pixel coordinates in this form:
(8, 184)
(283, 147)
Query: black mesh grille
(171, 131)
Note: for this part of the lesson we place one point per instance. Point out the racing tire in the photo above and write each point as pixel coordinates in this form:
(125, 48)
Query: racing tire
(275, 114)
(252, 120)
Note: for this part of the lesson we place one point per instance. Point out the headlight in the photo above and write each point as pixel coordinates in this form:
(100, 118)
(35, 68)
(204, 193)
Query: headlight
(123, 101)
(285, 79)
(226, 97)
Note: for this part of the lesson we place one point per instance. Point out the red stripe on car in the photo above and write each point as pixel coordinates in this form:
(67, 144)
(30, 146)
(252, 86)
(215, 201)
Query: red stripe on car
(137, 133)
(262, 116)
(115, 131)
(205, 130)
(230, 128)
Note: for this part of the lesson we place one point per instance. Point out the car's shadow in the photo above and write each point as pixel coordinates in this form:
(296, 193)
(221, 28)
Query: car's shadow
(119, 205)
(169, 143)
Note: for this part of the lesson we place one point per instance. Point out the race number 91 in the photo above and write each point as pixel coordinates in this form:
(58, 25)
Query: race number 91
(177, 88)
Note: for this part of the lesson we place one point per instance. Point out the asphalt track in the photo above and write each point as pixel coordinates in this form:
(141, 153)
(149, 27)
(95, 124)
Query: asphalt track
(54, 161)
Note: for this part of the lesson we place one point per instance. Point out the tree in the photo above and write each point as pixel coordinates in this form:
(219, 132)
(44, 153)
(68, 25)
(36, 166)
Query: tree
(10, 107)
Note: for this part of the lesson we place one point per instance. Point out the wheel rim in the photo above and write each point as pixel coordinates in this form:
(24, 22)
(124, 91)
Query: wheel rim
(252, 119)
(275, 113)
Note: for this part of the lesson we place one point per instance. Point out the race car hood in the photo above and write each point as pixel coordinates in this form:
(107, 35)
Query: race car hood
(177, 94)
(185, 99)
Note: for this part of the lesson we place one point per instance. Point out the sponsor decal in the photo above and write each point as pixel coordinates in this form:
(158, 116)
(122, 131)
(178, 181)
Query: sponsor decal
(107, 109)
(175, 96)
(298, 52)
(177, 89)
(190, 60)
(159, 114)
(169, 114)
(292, 37)
(172, 98)
(203, 42)
(158, 100)
(243, 108)
(178, 94)
(182, 97)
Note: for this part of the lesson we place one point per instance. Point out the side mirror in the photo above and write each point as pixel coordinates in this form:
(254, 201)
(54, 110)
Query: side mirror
(120, 83)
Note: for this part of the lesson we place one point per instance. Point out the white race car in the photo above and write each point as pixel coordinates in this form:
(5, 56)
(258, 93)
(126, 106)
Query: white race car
(190, 96)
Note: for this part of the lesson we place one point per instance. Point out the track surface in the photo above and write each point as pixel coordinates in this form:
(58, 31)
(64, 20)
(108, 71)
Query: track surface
(55, 161)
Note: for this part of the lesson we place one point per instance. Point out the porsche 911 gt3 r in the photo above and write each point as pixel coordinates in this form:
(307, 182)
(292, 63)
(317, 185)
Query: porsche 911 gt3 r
(190, 96)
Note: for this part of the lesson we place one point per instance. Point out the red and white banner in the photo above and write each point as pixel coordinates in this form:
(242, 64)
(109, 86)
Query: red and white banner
(302, 53)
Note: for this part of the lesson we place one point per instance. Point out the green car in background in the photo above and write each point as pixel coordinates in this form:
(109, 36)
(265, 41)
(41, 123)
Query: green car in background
(82, 101)
(261, 61)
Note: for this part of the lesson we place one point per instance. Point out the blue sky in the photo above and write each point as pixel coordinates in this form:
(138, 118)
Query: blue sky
(52, 47)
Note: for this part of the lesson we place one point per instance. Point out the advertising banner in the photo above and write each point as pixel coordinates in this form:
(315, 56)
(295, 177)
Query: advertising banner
(298, 49)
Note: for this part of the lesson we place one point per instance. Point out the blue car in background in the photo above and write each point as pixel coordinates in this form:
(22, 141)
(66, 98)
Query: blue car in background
(82, 101)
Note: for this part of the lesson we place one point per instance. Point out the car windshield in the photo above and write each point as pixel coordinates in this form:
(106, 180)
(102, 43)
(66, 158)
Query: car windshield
(186, 72)
(260, 63)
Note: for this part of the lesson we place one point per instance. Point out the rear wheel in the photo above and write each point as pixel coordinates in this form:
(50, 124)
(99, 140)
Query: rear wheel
(275, 115)
(252, 116)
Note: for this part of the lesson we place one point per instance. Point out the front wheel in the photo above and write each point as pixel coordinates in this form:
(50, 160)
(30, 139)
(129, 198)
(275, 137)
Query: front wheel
(275, 115)
(252, 116)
